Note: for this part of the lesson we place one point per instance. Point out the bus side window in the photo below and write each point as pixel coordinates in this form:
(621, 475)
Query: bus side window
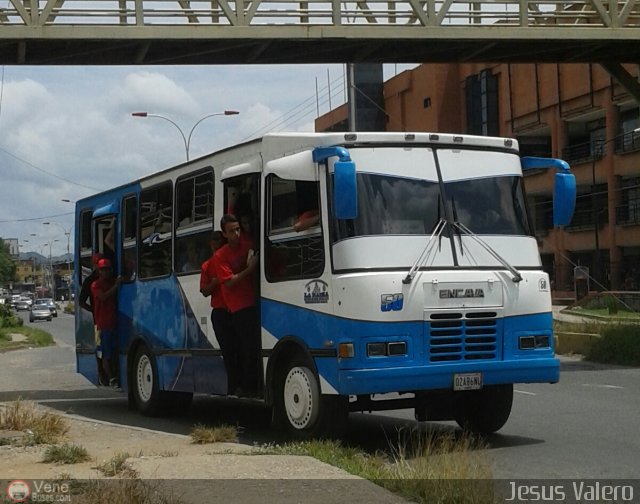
(293, 251)
(194, 220)
(129, 238)
(155, 221)
(86, 250)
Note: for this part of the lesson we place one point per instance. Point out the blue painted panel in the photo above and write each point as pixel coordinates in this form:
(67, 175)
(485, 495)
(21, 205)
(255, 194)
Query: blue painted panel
(364, 375)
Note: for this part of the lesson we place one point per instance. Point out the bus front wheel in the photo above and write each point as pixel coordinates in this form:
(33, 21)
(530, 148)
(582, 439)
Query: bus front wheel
(301, 409)
(483, 411)
(146, 391)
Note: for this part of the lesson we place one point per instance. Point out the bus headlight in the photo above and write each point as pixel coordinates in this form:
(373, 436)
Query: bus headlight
(386, 349)
(533, 341)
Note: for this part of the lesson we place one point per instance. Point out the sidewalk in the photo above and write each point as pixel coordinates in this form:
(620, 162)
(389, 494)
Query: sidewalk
(170, 463)
(561, 314)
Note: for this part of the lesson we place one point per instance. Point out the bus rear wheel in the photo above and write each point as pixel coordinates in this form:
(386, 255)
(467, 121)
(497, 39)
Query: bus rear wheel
(483, 411)
(302, 410)
(146, 391)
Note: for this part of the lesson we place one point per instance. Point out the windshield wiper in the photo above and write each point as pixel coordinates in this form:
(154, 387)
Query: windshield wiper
(455, 220)
(517, 277)
(426, 252)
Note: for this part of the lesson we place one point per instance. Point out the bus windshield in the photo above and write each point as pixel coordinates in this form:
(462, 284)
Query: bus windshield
(389, 205)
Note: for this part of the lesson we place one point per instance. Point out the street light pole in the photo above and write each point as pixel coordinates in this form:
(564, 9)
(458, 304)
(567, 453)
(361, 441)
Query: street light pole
(51, 281)
(185, 138)
(67, 233)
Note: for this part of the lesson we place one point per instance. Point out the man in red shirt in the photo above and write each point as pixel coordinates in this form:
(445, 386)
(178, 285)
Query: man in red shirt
(234, 267)
(104, 301)
(220, 317)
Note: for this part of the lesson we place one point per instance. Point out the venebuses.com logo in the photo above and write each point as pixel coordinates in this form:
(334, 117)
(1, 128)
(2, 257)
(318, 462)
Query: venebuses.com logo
(18, 491)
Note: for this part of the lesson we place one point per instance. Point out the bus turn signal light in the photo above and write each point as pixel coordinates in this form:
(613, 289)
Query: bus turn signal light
(346, 350)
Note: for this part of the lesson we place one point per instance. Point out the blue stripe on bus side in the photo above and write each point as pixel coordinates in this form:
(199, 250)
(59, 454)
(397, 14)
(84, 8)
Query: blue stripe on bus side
(413, 371)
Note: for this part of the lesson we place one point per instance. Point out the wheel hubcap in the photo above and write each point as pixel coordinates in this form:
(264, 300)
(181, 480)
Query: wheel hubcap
(144, 377)
(300, 400)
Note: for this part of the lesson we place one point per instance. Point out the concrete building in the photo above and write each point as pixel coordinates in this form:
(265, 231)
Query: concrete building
(576, 112)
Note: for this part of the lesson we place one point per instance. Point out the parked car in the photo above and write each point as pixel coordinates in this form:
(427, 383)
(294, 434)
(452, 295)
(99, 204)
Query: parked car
(40, 311)
(51, 304)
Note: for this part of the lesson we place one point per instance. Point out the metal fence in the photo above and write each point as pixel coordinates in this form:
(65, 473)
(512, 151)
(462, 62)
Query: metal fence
(522, 13)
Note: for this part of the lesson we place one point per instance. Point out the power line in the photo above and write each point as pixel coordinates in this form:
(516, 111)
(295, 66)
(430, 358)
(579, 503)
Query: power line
(288, 117)
(4, 221)
(31, 165)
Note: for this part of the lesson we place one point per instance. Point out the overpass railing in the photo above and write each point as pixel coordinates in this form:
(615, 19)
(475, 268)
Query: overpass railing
(517, 13)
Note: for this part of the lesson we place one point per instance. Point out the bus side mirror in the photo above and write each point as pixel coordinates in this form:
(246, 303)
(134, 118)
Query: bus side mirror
(345, 190)
(564, 198)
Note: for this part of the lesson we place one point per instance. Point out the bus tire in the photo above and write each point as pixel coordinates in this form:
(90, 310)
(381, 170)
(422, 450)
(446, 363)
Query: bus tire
(146, 389)
(301, 410)
(483, 411)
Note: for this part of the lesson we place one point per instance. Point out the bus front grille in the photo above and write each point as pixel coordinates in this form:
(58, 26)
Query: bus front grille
(459, 336)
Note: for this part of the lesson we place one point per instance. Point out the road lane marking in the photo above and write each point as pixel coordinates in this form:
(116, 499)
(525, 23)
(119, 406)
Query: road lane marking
(601, 385)
(524, 392)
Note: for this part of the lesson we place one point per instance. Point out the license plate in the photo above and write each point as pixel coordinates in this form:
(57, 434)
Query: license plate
(467, 381)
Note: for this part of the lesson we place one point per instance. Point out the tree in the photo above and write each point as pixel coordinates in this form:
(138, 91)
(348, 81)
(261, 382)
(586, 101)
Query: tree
(7, 266)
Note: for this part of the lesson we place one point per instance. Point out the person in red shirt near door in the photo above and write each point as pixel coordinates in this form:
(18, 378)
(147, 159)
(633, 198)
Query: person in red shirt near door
(220, 317)
(234, 267)
(103, 296)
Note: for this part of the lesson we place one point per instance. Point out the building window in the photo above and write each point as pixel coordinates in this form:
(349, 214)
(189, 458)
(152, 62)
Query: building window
(542, 210)
(481, 93)
(627, 140)
(590, 207)
(629, 211)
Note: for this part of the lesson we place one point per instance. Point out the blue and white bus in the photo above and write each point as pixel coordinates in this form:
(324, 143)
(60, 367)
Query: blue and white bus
(420, 286)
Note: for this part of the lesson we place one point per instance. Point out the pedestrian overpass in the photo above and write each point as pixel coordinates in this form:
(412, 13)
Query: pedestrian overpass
(123, 32)
(173, 32)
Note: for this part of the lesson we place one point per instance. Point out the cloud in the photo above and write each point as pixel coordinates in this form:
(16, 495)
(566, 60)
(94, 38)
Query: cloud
(75, 123)
(155, 92)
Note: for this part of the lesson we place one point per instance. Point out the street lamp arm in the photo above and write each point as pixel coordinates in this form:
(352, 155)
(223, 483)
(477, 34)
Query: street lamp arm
(185, 139)
(226, 112)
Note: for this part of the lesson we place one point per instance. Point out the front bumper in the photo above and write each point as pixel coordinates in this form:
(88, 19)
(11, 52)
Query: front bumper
(414, 378)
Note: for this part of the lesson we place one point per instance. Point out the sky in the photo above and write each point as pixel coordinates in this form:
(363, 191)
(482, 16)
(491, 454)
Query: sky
(67, 132)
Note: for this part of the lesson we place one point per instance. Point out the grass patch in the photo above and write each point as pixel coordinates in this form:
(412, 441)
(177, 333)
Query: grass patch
(203, 434)
(593, 327)
(65, 454)
(421, 467)
(34, 338)
(129, 491)
(620, 344)
(117, 466)
(41, 427)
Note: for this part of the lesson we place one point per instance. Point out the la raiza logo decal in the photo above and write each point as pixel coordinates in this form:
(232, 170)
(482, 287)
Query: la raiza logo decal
(316, 291)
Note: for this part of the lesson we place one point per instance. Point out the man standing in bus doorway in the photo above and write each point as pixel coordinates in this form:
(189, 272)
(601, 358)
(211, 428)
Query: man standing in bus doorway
(104, 299)
(234, 267)
(220, 316)
(85, 302)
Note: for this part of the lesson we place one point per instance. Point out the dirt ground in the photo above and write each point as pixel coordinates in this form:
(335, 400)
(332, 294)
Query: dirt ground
(237, 472)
